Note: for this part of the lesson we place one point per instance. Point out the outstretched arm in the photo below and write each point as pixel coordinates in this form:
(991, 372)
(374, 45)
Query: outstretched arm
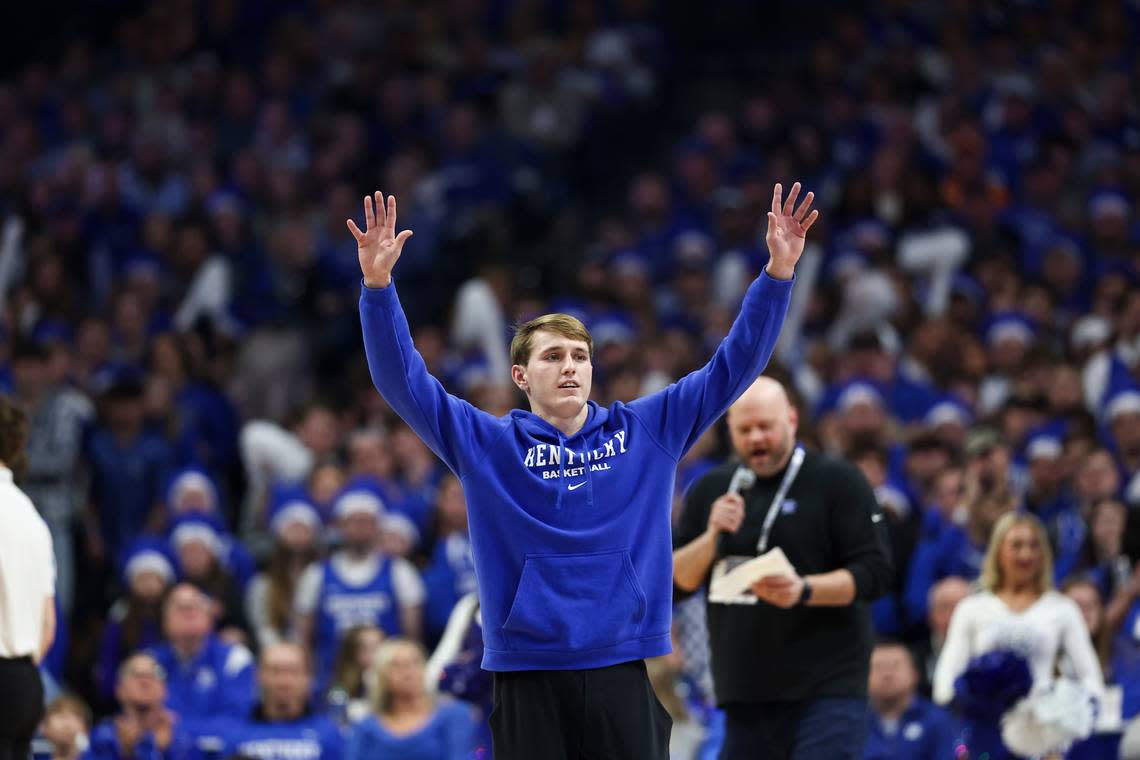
(456, 431)
(677, 415)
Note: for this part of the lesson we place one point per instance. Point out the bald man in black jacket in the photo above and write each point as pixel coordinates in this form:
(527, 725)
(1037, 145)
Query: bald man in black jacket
(790, 659)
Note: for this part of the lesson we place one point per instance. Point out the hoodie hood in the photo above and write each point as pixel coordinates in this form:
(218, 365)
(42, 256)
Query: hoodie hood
(571, 449)
(542, 430)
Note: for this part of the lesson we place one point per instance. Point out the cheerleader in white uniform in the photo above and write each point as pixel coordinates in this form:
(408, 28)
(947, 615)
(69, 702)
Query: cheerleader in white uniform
(1016, 608)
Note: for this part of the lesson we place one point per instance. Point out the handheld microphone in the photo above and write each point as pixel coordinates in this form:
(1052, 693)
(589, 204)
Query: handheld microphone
(741, 479)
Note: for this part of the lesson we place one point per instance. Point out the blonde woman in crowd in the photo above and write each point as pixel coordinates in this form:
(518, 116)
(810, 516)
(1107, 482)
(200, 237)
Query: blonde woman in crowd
(409, 722)
(1017, 608)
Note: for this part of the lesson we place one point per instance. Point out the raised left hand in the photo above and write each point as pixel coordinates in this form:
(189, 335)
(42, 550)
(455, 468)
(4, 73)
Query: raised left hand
(787, 230)
(779, 590)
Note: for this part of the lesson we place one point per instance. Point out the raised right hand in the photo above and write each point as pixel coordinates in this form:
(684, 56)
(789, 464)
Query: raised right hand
(727, 514)
(378, 247)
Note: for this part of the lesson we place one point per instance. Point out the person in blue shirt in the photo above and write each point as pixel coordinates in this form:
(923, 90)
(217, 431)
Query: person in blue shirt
(569, 503)
(283, 724)
(357, 585)
(450, 574)
(206, 677)
(145, 729)
(409, 722)
(128, 463)
(902, 725)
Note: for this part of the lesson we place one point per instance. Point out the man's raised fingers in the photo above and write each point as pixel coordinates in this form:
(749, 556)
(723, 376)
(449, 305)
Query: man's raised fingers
(777, 198)
(381, 214)
(790, 203)
(356, 233)
(801, 212)
(403, 238)
(369, 214)
(810, 220)
(391, 216)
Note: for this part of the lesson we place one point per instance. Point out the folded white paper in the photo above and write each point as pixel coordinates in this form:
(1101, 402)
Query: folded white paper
(739, 579)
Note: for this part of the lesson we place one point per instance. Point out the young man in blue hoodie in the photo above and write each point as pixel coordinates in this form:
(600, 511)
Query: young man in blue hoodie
(569, 504)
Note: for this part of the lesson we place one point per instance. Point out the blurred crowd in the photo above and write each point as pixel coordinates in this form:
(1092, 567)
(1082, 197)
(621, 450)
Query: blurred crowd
(178, 302)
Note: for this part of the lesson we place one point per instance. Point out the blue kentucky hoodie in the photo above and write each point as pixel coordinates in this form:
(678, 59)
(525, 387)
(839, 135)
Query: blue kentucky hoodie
(571, 535)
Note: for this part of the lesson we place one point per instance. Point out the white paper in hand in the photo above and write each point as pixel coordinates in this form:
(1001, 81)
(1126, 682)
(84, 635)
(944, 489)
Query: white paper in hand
(729, 585)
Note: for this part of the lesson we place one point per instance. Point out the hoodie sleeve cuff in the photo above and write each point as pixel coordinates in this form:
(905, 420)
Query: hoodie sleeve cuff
(768, 281)
(378, 296)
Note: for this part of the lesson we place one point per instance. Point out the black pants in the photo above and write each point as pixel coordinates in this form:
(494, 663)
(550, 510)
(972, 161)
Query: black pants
(825, 728)
(21, 706)
(599, 714)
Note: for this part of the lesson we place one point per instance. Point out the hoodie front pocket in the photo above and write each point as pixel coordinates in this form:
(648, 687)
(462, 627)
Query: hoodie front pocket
(575, 602)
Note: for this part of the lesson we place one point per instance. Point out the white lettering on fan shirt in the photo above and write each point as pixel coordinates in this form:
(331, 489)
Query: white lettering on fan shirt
(548, 455)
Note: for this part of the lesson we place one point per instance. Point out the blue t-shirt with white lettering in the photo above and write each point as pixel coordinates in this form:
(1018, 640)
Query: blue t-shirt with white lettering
(342, 605)
(309, 737)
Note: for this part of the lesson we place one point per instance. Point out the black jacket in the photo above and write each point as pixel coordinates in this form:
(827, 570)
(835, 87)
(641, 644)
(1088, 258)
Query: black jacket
(829, 520)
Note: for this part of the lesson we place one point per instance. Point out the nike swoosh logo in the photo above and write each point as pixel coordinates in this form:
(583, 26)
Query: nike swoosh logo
(877, 517)
(575, 485)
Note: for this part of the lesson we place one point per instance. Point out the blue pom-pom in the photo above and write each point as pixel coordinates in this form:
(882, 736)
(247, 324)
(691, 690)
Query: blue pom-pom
(992, 683)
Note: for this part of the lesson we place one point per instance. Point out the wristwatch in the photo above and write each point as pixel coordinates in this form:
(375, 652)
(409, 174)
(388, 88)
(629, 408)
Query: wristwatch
(805, 595)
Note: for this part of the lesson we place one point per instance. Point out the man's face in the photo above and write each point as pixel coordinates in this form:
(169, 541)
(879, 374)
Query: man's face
(361, 530)
(1098, 477)
(924, 464)
(892, 674)
(558, 375)
(368, 454)
(284, 677)
(187, 614)
(992, 466)
(762, 432)
(142, 684)
(318, 430)
(865, 418)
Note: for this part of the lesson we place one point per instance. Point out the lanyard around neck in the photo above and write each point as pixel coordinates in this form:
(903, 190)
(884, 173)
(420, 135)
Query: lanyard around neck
(778, 500)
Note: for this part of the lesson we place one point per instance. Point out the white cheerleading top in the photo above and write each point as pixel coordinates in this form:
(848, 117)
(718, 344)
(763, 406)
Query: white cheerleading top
(1051, 627)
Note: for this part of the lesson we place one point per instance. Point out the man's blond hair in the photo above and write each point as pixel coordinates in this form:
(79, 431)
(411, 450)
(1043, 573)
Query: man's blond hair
(560, 324)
